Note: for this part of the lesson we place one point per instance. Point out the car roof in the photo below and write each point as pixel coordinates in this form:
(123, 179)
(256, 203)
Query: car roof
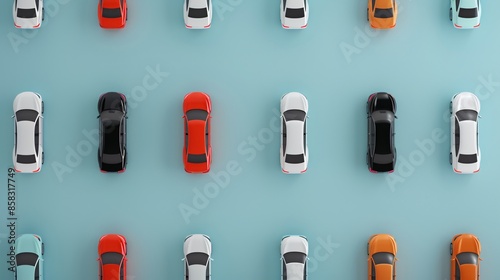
(26, 4)
(468, 3)
(196, 141)
(468, 137)
(111, 3)
(25, 138)
(198, 3)
(295, 4)
(295, 139)
(384, 4)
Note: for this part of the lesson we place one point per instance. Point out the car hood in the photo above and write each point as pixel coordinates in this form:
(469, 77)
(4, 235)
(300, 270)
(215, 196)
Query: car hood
(28, 243)
(27, 100)
(197, 243)
(294, 244)
(294, 100)
(466, 101)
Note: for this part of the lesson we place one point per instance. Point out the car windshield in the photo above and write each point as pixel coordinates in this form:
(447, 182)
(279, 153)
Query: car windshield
(200, 158)
(111, 258)
(294, 159)
(467, 159)
(295, 13)
(468, 13)
(197, 258)
(383, 138)
(26, 115)
(383, 258)
(198, 13)
(26, 259)
(295, 257)
(467, 258)
(200, 115)
(111, 13)
(294, 115)
(467, 115)
(384, 13)
(26, 13)
(26, 159)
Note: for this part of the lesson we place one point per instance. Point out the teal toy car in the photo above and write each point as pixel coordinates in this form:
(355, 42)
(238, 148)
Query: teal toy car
(465, 14)
(29, 257)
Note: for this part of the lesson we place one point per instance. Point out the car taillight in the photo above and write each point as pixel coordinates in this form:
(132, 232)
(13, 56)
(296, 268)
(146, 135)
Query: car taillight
(457, 171)
(188, 26)
(207, 26)
(36, 26)
(303, 171)
(476, 171)
(457, 26)
(284, 171)
(104, 171)
(17, 26)
(476, 26)
(391, 171)
(36, 170)
(37, 237)
(373, 171)
(121, 171)
(286, 26)
(303, 26)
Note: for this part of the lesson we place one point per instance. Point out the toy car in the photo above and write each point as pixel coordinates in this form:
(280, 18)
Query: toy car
(465, 155)
(112, 14)
(465, 14)
(382, 251)
(382, 14)
(197, 152)
(198, 14)
(112, 152)
(28, 14)
(112, 260)
(197, 257)
(294, 154)
(294, 257)
(294, 14)
(465, 250)
(381, 110)
(28, 125)
(29, 257)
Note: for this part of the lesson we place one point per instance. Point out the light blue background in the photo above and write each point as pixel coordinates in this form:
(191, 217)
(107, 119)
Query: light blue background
(246, 61)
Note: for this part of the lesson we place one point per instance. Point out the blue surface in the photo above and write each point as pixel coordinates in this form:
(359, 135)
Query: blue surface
(246, 61)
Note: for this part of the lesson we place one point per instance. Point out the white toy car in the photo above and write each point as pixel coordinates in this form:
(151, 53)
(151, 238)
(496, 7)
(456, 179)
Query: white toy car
(465, 155)
(294, 14)
(28, 126)
(294, 154)
(28, 14)
(465, 14)
(197, 257)
(198, 14)
(294, 257)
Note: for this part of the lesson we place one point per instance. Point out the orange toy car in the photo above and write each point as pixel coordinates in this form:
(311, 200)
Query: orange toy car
(382, 14)
(382, 251)
(465, 250)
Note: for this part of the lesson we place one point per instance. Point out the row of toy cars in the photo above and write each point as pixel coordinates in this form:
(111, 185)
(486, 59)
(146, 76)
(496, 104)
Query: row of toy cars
(28, 154)
(294, 14)
(381, 249)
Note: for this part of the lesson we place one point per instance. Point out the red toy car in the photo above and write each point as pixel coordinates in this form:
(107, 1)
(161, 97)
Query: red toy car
(112, 13)
(112, 250)
(197, 144)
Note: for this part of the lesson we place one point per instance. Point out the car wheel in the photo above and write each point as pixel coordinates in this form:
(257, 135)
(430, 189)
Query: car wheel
(451, 16)
(368, 249)
(451, 248)
(367, 160)
(43, 248)
(43, 157)
(126, 15)
(43, 107)
(451, 160)
(451, 107)
(367, 15)
(43, 14)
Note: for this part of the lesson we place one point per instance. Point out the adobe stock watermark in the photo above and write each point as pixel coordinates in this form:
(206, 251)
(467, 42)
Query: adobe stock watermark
(225, 6)
(425, 148)
(23, 37)
(363, 38)
(322, 252)
(75, 154)
(249, 149)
